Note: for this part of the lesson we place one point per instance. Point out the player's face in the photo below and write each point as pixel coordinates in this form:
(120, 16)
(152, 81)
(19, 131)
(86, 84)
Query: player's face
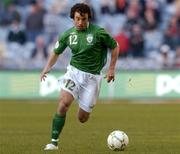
(80, 21)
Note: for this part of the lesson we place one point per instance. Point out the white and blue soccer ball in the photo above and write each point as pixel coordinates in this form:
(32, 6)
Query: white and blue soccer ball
(117, 140)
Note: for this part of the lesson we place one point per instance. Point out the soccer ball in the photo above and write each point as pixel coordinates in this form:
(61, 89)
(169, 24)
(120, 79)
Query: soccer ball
(117, 140)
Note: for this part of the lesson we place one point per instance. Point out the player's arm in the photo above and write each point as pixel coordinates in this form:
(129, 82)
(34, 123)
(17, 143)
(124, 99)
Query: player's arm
(110, 43)
(111, 71)
(51, 61)
(58, 49)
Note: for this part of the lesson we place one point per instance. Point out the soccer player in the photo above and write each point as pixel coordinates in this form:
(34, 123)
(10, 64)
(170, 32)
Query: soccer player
(89, 44)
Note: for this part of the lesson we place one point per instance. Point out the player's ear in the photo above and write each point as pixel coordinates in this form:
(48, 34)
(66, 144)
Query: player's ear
(89, 16)
(71, 15)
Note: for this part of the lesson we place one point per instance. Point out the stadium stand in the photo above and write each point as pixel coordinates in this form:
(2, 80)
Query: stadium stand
(144, 28)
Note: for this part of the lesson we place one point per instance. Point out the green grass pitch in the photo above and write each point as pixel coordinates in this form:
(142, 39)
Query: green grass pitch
(152, 129)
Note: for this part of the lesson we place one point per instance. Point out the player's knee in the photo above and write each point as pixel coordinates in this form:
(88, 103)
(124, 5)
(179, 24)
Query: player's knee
(83, 119)
(63, 106)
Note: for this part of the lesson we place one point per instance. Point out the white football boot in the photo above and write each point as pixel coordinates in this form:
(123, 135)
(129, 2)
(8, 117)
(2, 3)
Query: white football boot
(51, 147)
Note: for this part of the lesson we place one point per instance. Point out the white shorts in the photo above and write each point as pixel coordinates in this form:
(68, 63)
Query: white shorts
(83, 86)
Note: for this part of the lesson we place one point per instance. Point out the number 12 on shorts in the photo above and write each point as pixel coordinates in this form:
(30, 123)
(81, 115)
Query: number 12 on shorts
(70, 84)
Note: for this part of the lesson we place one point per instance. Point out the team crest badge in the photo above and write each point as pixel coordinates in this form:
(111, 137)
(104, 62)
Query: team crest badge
(89, 38)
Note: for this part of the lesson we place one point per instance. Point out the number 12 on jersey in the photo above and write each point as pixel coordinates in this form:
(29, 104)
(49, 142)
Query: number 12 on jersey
(73, 39)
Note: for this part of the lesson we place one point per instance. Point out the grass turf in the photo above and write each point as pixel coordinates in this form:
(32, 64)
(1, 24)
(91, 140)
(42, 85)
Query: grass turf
(152, 129)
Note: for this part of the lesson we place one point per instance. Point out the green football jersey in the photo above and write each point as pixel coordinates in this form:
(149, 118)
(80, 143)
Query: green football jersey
(89, 47)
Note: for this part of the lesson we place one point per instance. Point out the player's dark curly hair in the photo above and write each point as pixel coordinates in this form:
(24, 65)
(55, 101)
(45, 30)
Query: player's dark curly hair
(81, 8)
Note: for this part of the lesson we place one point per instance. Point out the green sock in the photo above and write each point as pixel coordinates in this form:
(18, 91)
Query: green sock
(57, 125)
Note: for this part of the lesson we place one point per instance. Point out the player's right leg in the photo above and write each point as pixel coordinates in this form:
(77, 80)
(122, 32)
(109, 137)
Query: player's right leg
(65, 101)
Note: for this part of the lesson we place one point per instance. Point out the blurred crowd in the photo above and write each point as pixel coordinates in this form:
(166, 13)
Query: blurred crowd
(148, 31)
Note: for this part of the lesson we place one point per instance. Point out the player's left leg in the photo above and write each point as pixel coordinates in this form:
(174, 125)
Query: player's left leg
(88, 94)
(83, 116)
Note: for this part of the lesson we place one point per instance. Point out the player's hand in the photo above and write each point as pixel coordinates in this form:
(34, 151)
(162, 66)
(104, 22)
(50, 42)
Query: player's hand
(43, 75)
(110, 76)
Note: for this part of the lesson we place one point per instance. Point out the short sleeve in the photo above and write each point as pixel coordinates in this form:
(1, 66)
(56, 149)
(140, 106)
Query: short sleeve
(107, 39)
(60, 45)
